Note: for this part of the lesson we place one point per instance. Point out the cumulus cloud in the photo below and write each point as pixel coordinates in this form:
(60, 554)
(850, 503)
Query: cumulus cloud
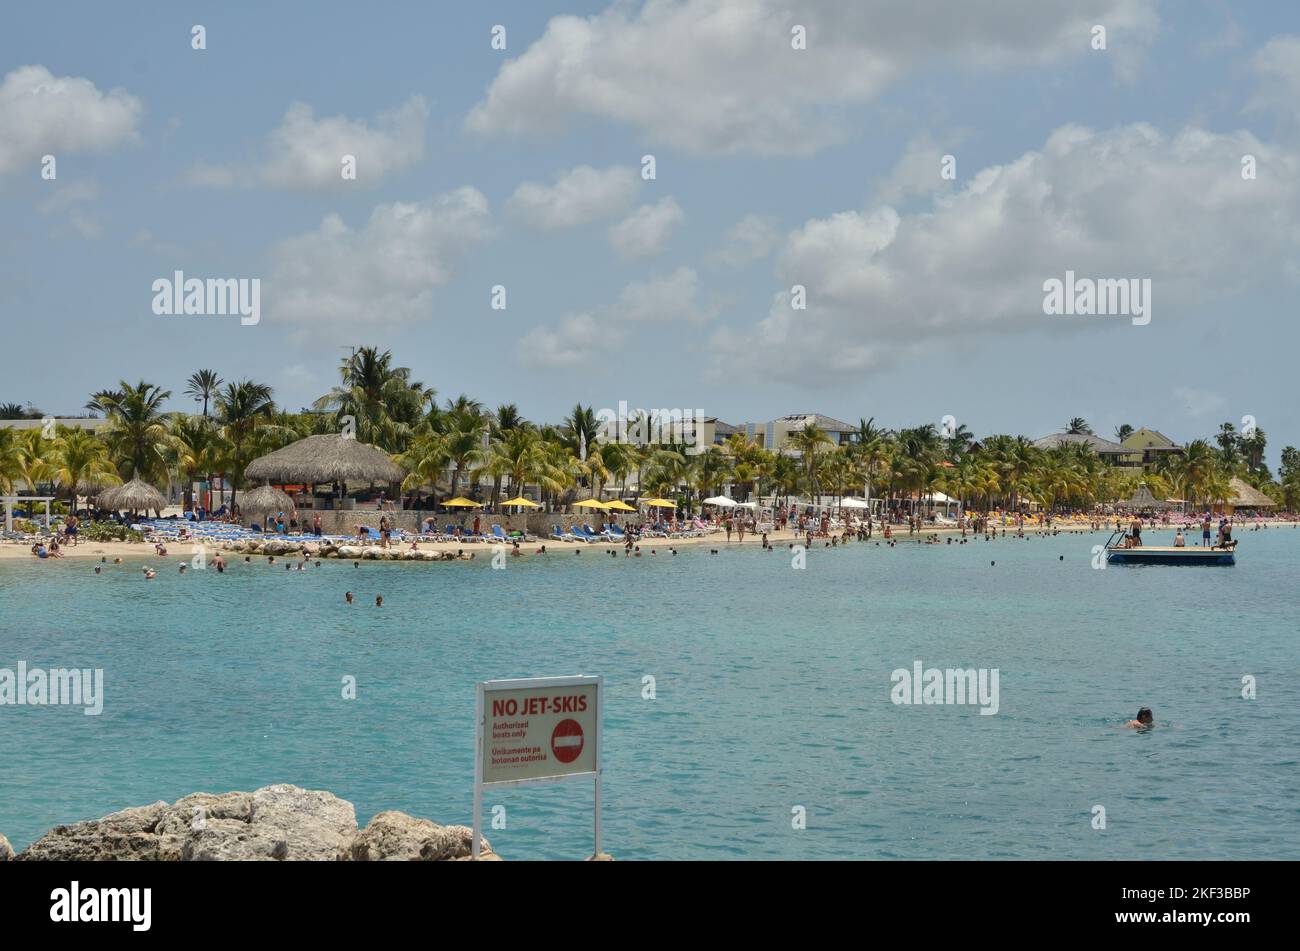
(1130, 202)
(721, 75)
(306, 151)
(41, 114)
(338, 277)
(750, 239)
(645, 232)
(1277, 67)
(577, 340)
(579, 196)
(581, 338)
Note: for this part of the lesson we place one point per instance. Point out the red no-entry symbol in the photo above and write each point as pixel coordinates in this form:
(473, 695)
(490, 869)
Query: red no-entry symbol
(566, 741)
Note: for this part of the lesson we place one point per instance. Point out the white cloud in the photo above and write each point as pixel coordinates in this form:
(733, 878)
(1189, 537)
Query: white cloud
(583, 338)
(1277, 67)
(722, 76)
(71, 199)
(305, 151)
(1129, 202)
(44, 114)
(578, 340)
(579, 196)
(645, 232)
(750, 239)
(384, 273)
(673, 297)
(1198, 402)
(69, 195)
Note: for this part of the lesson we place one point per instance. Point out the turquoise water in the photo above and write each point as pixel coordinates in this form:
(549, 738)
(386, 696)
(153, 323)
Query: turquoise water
(773, 691)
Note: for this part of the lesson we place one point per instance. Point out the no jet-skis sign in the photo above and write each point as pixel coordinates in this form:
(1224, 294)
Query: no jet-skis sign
(544, 729)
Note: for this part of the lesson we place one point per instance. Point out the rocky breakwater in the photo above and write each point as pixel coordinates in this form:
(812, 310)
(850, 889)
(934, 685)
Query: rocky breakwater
(274, 823)
(280, 547)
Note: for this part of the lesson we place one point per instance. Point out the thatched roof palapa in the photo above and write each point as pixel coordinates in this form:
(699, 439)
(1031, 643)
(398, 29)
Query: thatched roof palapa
(1246, 496)
(1143, 499)
(135, 496)
(325, 459)
(266, 498)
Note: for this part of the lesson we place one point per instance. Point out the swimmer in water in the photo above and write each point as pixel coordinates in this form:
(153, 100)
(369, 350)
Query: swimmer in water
(1144, 720)
(348, 597)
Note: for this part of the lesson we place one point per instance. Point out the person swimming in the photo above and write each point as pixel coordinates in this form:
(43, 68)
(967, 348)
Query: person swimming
(348, 597)
(1144, 719)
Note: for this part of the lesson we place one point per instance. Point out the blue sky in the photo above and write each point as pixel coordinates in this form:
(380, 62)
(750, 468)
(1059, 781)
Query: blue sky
(479, 167)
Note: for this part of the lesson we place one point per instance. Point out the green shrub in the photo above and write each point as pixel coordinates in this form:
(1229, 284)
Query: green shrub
(108, 532)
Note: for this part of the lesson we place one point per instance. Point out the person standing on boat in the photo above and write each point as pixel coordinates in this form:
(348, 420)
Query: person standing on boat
(1205, 530)
(1136, 531)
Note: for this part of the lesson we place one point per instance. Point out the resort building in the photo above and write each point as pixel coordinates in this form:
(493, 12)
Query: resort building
(1151, 443)
(1112, 453)
(775, 435)
(89, 423)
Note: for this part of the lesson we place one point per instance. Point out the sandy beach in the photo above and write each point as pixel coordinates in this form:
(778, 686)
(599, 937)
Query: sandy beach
(143, 552)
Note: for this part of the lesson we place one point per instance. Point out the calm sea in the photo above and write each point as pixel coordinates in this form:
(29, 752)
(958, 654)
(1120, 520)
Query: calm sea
(772, 692)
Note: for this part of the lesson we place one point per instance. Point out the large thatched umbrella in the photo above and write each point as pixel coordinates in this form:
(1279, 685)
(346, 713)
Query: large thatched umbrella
(336, 459)
(135, 496)
(1143, 500)
(326, 459)
(266, 498)
(92, 486)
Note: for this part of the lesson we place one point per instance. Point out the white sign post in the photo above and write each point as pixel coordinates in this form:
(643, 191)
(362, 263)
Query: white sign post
(537, 730)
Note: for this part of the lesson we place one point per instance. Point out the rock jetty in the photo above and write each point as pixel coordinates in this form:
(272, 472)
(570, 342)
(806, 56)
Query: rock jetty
(274, 823)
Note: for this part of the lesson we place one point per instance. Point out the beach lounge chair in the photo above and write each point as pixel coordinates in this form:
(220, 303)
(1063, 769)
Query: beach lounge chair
(562, 536)
(602, 535)
(615, 532)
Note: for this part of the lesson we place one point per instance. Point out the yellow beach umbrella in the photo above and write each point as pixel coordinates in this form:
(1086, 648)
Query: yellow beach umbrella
(619, 505)
(463, 503)
(660, 503)
(589, 504)
(528, 503)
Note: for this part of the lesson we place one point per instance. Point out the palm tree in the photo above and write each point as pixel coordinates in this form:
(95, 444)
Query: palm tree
(383, 401)
(425, 460)
(137, 430)
(80, 455)
(10, 463)
(809, 442)
(463, 435)
(202, 386)
(581, 428)
(1078, 426)
(194, 448)
(1123, 431)
(241, 408)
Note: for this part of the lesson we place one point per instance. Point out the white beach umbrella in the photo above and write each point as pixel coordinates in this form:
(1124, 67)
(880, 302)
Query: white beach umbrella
(851, 503)
(746, 505)
(722, 501)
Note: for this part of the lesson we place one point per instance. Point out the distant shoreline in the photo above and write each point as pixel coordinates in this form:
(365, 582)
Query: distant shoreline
(176, 551)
